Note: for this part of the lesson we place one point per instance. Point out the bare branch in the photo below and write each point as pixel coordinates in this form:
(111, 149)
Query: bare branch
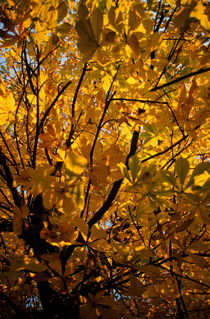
(181, 78)
(116, 186)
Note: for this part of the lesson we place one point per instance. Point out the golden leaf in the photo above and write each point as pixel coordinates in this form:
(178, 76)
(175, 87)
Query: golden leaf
(199, 13)
(74, 164)
(7, 108)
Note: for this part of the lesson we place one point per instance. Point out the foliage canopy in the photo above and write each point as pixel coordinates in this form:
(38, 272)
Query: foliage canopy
(104, 170)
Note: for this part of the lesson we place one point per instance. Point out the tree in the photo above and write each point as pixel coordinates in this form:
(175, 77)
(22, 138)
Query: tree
(104, 159)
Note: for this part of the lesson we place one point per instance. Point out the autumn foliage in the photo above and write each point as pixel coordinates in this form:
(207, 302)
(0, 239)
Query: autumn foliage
(104, 159)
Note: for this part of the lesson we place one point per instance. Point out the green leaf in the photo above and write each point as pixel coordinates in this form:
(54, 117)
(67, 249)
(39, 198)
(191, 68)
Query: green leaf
(185, 225)
(134, 166)
(124, 171)
(62, 11)
(78, 195)
(169, 177)
(89, 31)
(150, 128)
(182, 168)
(200, 168)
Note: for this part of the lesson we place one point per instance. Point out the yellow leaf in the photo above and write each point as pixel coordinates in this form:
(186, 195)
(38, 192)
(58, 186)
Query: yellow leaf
(134, 20)
(113, 155)
(185, 225)
(204, 214)
(97, 233)
(198, 260)
(78, 195)
(97, 23)
(74, 164)
(67, 231)
(107, 80)
(199, 180)
(61, 11)
(140, 10)
(109, 36)
(20, 214)
(124, 171)
(99, 174)
(70, 267)
(169, 177)
(172, 2)
(199, 246)
(108, 4)
(100, 245)
(80, 224)
(36, 180)
(18, 225)
(28, 263)
(98, 153)
(56, 265)
(7, 107)
(131, 80)
(57, 284)
(64, 203)
(199, 13)
(181, 17)
(141, 29)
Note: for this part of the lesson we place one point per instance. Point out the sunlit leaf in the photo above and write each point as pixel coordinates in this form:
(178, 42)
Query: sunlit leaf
(74, 164)
(96, 219)
(199, 13)
(7, 108)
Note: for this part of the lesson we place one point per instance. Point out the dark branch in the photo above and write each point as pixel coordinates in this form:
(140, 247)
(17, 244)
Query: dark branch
(138, 100)
(166, 150)
(68, 143)
(116, 186)
(6, 225)
(41, 124)
(179, 79)
(19, 312)
(9, 179)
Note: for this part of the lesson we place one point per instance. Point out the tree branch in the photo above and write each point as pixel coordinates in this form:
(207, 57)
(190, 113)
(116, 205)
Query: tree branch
(9, 179)
(166, 150)
(116, 186)
(68, 143)
(179, 79)
(6, 225)
(138, 100)
(41, 124)
(10, 302)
